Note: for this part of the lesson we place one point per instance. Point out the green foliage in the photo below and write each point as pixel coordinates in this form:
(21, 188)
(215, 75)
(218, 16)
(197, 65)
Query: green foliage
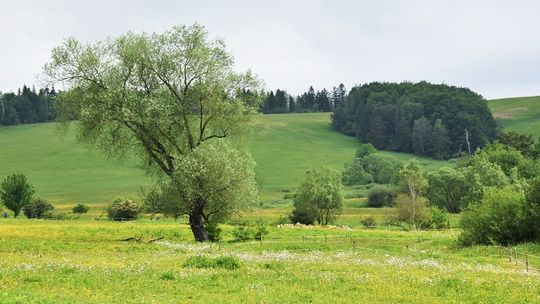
(499, 218)
(38, 208)
(225, 262)
(411, 206)
(426, 118)
(521, 142)
(320, 194)
(172, 98)
(214, 232)
(370, 166)
(80, 209)
(27, 106)
(532, 209)
(380, 196)
(250, 231)
(446, 189)
(365, 150)
(302, 216)
(413, 212)
(355, 174)
(123, 209)
(243, 233)
(480, 173)
(437, 219)
(369, 222)
(16, 192)
(167, 276)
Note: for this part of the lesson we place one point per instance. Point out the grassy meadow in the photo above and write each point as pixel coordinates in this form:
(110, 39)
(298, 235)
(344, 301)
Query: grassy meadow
(521, 114)
(86, 261)
(65, 172)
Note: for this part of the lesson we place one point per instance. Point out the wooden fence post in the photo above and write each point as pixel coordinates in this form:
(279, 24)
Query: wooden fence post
(354, 245)
(509, 253)
(526, 262)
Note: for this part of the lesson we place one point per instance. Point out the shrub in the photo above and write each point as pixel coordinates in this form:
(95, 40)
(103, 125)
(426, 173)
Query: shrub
(214, 232)
(302, 216)
(38, 208)
(380, 196)
(243, 233)
(225, 262)
(412, 212)
(16, 192)
(80, 209)
(123, 209)
(260, 230)
(437, 219)
(369, 222)
(500, 218)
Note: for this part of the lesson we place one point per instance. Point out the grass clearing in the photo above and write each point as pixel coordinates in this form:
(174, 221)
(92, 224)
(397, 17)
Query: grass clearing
(84, 261)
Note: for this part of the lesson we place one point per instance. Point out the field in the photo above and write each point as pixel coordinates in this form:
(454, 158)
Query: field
(86, 261)
(92, 260)
(64, 172)
(521, 114)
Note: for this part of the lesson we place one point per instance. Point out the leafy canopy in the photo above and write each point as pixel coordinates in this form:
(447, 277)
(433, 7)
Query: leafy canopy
(165, 96)
(16, 192)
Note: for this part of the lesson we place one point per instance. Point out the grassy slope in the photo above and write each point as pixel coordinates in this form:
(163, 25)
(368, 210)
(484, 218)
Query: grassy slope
(284, 146)
(62, 170)
(521, 114)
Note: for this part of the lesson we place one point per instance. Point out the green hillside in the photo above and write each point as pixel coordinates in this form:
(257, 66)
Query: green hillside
(521, 114)
(284, 146)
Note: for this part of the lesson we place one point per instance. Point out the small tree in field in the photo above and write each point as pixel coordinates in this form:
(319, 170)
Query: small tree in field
(80, 209)
(16, 192)
(320, 195)
(411, 203)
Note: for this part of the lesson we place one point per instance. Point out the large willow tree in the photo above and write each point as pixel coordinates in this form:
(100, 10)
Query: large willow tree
(176, 100)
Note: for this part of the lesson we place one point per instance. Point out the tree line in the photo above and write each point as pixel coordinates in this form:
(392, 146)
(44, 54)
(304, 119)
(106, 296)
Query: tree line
(280, 101)
(426, 119)
(27, 106)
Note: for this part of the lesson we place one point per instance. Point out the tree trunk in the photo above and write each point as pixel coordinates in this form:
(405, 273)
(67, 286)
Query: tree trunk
(197, 225)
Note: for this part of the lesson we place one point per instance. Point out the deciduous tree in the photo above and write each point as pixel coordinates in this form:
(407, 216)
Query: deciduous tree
(165, 96)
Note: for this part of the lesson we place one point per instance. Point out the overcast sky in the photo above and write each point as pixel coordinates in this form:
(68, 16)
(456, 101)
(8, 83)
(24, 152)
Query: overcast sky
(492, 47)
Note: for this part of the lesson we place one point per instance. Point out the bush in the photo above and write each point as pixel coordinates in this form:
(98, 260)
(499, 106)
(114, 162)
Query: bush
(39, 208)
(369, 222)
(80, 209)
(302, 216)
(499, 218)
(226, 262)
(437, 219)
(214, 232)
(243, 233)
(380, 196)
(248, 231)
(260, 230)
(123, 209)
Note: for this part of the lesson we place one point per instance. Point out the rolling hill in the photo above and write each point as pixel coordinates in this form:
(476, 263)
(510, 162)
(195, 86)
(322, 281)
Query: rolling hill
(283, 145)
(521, 114)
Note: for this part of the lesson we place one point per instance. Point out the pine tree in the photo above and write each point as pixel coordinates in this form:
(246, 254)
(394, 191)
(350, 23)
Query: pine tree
(322, 101)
